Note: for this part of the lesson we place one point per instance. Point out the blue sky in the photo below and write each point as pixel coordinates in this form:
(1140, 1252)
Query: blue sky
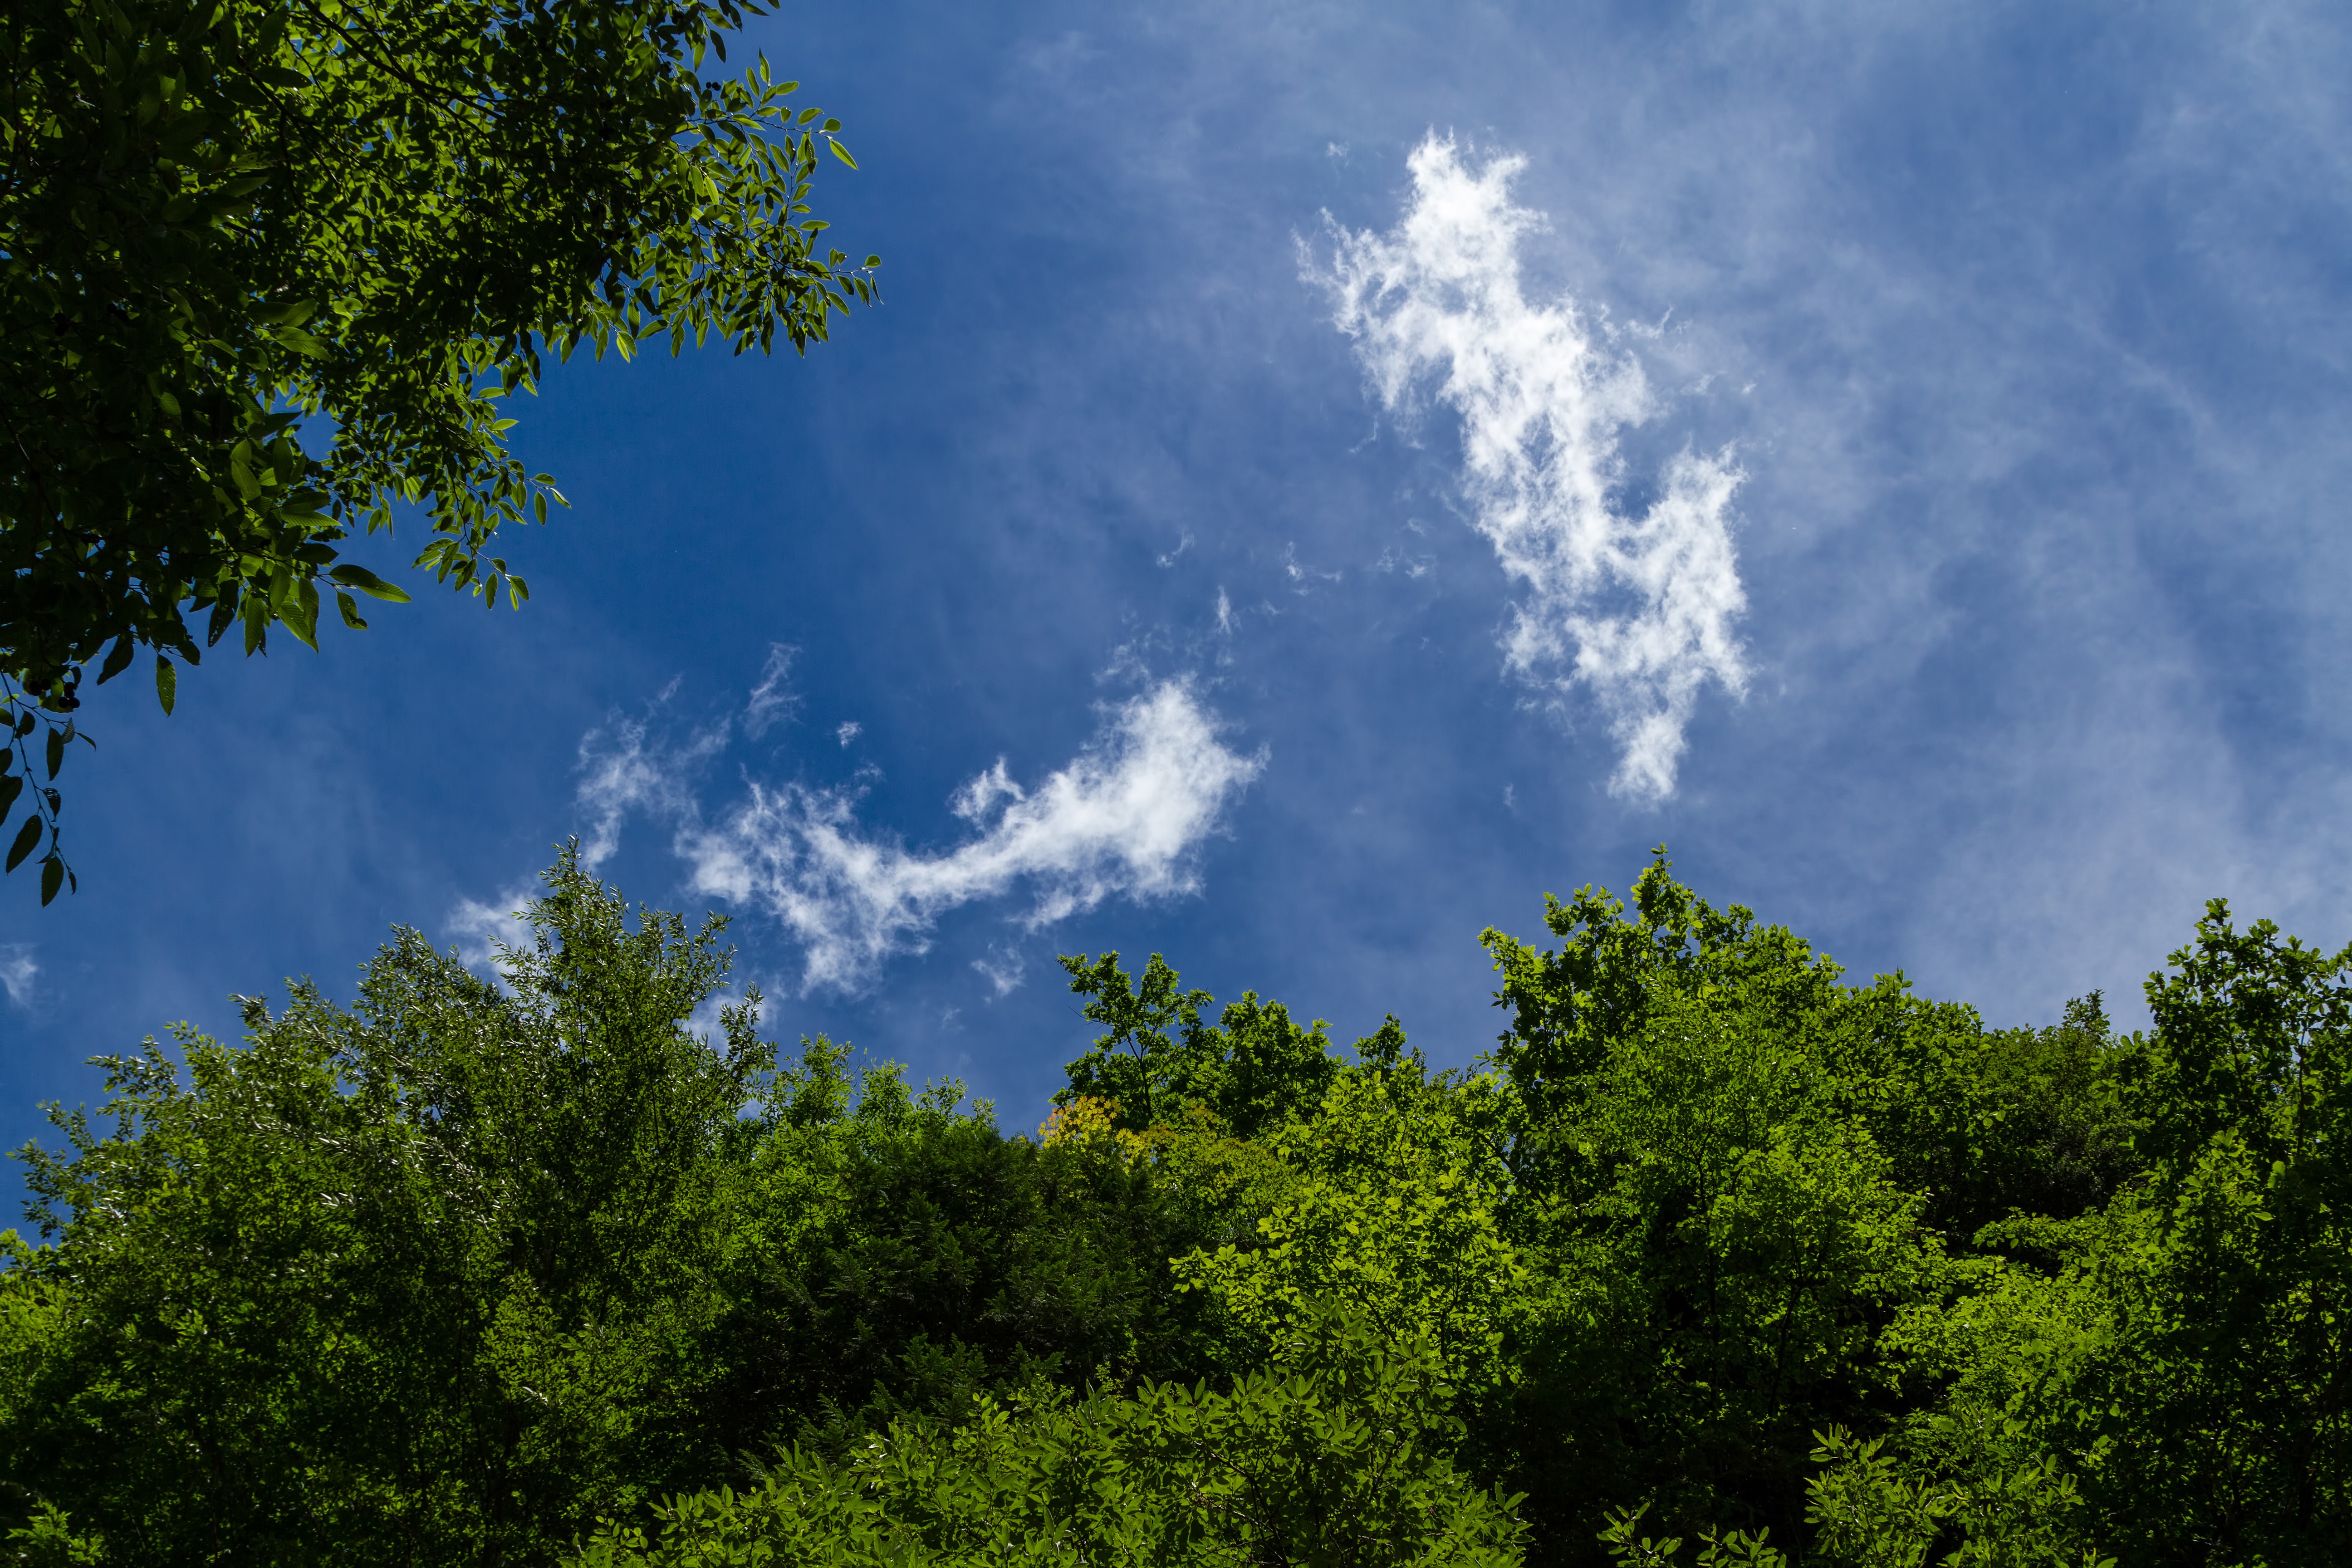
(1923, 432)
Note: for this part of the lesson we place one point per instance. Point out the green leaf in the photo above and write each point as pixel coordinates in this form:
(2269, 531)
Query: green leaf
(167, 682)
(351, 610)
(285, 312)
(368, 582)
(11, 786)
(116, 661)
(53, 873)
(302, 617)
(26, 836)
(240, 468)
(300, 342)
(56, 751)
(841, 152)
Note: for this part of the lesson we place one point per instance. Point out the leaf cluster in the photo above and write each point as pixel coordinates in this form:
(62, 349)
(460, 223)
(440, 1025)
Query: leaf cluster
(270, 269)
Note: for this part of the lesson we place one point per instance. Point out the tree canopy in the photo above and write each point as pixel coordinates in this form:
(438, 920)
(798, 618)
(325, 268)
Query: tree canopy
(271, 269)
(1716, 1257)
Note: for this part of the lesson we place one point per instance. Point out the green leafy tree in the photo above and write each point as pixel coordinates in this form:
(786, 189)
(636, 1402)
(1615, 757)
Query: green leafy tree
(270, 269)
(2058, 1133)
(2184, 1348)
(1723, 1162)
(896, 1257)
(1714, 1277)
(1252, 1069)
(1718, 1250)
(1345, 1465)
(1869, 1510)
(1384, 1206)
(1570, 1006)
(421, 1279)
(402, 1283)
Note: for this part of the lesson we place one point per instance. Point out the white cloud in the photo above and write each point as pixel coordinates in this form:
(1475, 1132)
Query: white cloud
(1126, 818)
(1637, 609)
(619, 774)
(849, 731)
(1298, 574)
(1393, 560)
(976, 799)
(479, 927)
(17, 972)
(1003, 968)
(772, 701)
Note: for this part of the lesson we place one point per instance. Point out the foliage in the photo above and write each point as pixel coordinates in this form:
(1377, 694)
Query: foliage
(387, 1277)
(435, 1278)
(1252, 1069)
(1714, 1274)
(270, 267)
(2184, 1345)
(1344, 1466)
(894, 1257)
(1717, 1257)
(1385, 1205)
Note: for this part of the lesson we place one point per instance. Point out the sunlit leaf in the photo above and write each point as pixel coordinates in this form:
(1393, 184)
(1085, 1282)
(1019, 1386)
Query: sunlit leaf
(368, 582)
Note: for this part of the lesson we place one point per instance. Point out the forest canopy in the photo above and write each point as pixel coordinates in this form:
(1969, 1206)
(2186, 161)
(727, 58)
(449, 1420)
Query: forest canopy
(1716, 1256)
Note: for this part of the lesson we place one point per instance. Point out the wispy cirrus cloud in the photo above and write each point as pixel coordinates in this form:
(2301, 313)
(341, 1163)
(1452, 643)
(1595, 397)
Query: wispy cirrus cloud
(621, 772)
(1637, 607)
(18, 969)
(772, 701)
(1124, 818)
